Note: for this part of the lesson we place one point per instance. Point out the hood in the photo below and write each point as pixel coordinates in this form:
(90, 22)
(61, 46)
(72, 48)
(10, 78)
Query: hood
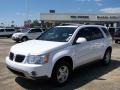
(17, 34)
(36, 47)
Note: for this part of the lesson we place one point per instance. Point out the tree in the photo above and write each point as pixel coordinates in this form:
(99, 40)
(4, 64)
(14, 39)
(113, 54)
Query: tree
(2, 24)
(35, 23)
(28, 23)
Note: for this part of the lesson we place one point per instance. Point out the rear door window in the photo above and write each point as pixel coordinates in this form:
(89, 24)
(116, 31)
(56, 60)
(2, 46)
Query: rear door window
(96, 33)
(90, 33)
(9, 30)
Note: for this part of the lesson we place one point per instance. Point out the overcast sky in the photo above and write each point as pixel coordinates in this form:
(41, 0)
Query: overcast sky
(16, 9)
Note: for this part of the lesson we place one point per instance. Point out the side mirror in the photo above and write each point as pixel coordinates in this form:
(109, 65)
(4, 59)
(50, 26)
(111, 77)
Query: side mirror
(81, 40)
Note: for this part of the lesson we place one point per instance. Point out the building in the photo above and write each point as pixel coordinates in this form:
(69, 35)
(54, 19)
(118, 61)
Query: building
(51, 19)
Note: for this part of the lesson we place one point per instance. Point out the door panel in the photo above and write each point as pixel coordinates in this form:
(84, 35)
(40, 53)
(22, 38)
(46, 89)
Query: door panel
(84, 53)
(92, 49)
(99, 48)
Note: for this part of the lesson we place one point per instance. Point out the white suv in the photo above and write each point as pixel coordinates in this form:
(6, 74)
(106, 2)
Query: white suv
(6, 32)
(32, 33)
(57, 52)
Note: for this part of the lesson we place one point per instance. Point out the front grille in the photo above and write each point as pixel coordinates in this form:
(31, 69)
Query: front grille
(11, 56)
(19, 58)
(16, 72)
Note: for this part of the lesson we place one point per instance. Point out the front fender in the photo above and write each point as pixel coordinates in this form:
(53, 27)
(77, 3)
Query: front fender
(57, 55)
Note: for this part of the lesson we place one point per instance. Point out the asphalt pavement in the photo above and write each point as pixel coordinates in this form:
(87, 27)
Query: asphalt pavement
(89, 77)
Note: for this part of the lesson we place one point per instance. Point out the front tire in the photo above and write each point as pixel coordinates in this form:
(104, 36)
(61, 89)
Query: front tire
(24, 39)
(17, 41)
(107, 58)
(61, 73)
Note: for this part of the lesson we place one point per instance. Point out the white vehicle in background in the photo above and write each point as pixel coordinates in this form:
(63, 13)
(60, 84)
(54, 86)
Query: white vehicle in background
(58, 51)
(27, 34)
(6, 32)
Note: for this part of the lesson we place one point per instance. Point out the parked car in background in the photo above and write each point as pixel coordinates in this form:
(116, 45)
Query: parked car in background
(112, 31)
(27, 34)
(58, 51)
(6, 32)
(117, 36)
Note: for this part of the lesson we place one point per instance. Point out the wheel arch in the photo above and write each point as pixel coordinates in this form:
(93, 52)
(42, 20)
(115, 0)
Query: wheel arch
(24, 37)
(109, 48)
(63, 59)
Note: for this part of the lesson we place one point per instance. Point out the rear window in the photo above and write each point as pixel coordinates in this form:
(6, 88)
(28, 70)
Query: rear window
(9, 30)
(106, 32)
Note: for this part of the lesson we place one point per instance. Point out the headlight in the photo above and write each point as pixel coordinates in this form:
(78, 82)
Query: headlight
(16, 35)
(32, 59)
(19, 35)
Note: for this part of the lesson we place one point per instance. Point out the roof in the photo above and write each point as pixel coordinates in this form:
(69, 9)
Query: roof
(68, 26)
(80, 13)
(82, 25)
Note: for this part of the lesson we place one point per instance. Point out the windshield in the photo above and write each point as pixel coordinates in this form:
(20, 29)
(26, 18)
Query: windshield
(23, 30)
(59, 34)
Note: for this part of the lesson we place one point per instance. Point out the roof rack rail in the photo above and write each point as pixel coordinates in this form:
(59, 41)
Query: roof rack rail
(67, 24)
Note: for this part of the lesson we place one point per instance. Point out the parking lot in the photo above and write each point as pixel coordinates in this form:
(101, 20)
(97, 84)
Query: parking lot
(90, 77)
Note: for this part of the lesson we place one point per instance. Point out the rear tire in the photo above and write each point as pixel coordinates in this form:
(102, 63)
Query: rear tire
(116, 41)
(61, 73)
(107, 58)
(8, 36)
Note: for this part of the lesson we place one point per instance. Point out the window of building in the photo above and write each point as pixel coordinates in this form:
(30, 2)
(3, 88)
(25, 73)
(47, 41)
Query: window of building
(73, 16)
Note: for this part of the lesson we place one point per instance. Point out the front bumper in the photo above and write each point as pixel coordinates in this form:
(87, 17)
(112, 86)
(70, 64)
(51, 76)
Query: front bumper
(30, 71)
(16, 38)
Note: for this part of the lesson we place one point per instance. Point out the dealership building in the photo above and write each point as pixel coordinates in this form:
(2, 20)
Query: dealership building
(106, 19)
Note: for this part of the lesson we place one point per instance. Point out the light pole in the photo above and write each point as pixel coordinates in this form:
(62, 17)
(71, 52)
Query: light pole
(27, 13)
(12, 24)
(27, 10)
